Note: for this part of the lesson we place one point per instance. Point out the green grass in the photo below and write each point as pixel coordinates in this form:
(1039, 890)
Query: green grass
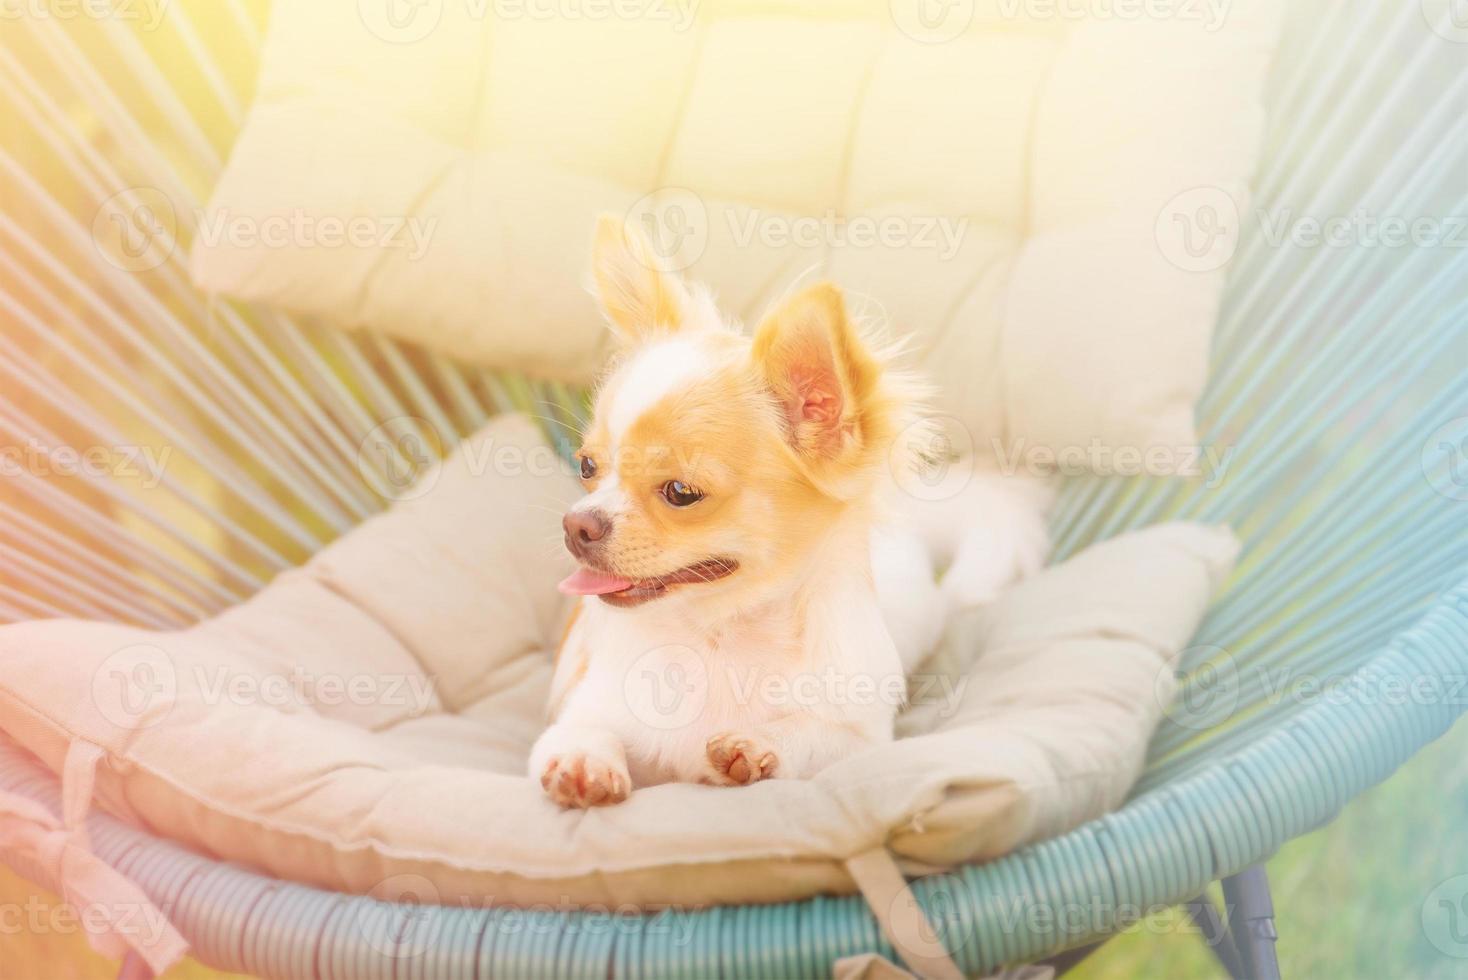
(1349, 897)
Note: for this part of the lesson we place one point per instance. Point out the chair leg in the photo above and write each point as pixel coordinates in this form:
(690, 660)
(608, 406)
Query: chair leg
(1206, 917)
(1251, 922)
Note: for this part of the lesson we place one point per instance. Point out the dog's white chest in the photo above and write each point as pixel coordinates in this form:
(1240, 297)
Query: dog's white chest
(666, 692)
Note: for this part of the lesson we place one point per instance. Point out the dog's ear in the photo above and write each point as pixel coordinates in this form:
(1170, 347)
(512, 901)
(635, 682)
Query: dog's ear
(638, 296)
(822, 376)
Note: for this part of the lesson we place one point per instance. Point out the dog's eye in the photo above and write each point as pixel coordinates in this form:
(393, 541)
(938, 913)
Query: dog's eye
(679, 494)
(588, 467)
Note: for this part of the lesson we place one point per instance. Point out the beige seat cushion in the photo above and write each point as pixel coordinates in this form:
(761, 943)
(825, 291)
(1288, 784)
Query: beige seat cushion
(1017, 189)
(368, 716)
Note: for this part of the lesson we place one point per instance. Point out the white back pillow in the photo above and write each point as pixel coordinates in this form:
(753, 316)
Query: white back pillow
(1018, 188)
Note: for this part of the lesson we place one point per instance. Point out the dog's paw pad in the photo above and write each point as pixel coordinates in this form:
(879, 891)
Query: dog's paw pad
(577, 780)
(739, 760)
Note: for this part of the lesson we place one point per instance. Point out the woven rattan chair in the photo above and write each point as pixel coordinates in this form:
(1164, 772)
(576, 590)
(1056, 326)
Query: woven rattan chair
(1338, 388)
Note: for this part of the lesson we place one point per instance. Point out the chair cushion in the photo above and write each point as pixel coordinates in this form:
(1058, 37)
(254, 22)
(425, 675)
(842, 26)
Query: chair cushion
(1019, 197)
(368, 716)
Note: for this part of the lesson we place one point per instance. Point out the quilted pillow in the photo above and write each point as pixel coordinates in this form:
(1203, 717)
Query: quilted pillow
(369, 715)
(1015, 188)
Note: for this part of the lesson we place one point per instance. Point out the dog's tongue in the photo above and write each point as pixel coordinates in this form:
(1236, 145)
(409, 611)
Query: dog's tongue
(584, 581)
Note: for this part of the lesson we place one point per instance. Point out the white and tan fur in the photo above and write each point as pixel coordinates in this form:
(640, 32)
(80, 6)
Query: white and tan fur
(782, 644)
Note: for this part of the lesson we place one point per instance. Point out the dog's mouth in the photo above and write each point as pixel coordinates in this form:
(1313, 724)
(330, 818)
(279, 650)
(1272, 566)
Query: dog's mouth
(616, 590)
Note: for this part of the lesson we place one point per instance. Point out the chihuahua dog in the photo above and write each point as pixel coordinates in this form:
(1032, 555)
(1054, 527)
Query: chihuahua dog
(747, 612)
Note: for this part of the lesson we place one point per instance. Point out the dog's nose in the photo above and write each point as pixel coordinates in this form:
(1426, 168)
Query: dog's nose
(584, 527)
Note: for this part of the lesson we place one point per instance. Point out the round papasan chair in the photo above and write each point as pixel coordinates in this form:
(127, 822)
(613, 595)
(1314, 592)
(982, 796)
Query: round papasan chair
(1337, 384)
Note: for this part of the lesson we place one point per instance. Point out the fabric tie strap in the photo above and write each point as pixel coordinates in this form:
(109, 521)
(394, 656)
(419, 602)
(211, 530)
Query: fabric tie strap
(97, 892)
(900, 917)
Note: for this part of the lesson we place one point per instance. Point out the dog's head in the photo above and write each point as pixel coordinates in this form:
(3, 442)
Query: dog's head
(716, 462)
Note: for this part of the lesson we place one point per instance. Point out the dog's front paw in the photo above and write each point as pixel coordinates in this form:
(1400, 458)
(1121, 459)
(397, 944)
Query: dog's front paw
(580, 780)
(739, 760)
